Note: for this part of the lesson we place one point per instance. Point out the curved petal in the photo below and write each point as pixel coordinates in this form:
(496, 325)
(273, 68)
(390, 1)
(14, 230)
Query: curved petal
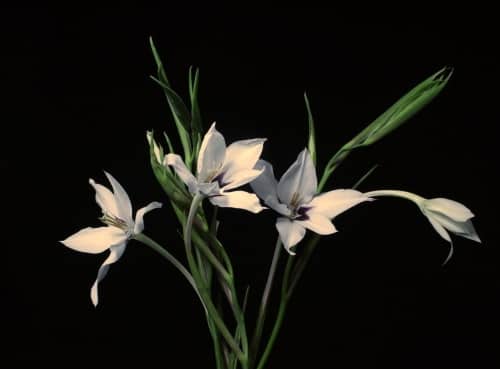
(139, 216)
(239, 178)
(291, 233)
(444, 234)
(317, 223)
(464, 229)
(468, 231)
(104, 198)
(115, 253)
(334, 202)
(299, 183)
(239, 200)
(450, 208)
(123, 204)
(182, 171)
(439, 228)
(265, 185)
(95, 240)
(242, 155)
(211, 155)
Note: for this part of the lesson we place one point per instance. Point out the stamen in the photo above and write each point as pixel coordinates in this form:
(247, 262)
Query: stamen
(114, 222)
(295, 201)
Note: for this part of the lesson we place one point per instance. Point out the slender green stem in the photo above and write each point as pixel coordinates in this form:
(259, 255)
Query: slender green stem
(217, 345)
(213, 223)
(205, 250)
(221, 363)
(141, 237)
(264, 301)
(335, 161)
(280, 316)
(229, 289)
(202, 288)
(155, 246)
(302, 263)
(397, 193)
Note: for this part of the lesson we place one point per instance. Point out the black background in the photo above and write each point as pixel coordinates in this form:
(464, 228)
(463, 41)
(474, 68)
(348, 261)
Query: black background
(77, 99)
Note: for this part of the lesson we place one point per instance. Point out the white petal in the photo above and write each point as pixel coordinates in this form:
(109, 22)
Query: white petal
(464, 229)
(439, 228)
(291, 233)
(468, 231)
(211, 155)
(139, 216)
(104, 198)
(122, 200)
(181, 170)
(239, 200)
(239, 178)
(115, 253)
(299, 183)
(241, 155)
(265, 185)
(318, 223)
(334, 202)
(443, 233)
(450, 208)
(95, 240)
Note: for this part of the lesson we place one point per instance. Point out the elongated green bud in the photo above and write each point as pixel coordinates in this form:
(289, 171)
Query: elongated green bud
(405, 108)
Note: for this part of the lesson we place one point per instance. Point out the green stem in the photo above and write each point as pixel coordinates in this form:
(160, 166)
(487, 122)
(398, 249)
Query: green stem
(229, 289)
(205, 250)
(141, 237)
(396, 193)
(212, 311)
(280, 316)
(217, 345)
(335, 161)
(155, 246)
(265, 298)
(219, 356)
(301, 264)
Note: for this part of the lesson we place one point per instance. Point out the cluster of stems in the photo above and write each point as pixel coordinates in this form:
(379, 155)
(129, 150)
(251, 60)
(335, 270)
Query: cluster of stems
(209, 268)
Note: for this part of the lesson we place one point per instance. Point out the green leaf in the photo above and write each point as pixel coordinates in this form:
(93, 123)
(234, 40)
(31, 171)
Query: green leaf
(178, 107)
(180, 112)
(169, 143)
(365, 176)
(311, 143)
(160, 70)
(196, 122)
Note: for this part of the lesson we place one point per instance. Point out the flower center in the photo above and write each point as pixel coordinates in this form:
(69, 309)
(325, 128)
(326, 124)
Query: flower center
(113, 221)
(220, 180)
(301, 213)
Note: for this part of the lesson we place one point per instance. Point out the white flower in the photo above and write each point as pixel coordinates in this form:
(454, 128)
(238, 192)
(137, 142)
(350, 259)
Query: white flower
(220, 169)
(295, 198)
(117, 214)
(444, 215)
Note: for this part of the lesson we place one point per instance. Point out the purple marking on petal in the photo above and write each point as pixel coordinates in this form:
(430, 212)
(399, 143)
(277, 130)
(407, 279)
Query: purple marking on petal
(220, 179)
(302, 213)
